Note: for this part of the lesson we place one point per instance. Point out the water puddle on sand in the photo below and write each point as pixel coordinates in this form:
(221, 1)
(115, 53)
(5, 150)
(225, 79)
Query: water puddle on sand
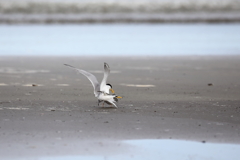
(21, 71)
(100, 71)
(63, 85)
(137, 85)
(164, 150)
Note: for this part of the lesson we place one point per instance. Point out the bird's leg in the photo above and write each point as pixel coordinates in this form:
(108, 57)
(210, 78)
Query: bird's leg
(103, 104)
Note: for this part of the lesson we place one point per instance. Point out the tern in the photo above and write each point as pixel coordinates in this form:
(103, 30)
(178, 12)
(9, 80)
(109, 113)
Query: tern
(101, 91)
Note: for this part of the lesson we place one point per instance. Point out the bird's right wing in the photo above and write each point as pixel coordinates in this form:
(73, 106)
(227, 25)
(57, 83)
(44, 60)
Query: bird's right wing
(90, 77)
(105, 76)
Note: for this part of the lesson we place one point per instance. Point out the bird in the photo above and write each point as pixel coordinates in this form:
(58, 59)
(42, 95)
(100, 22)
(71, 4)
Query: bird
(110, 99)
(101, 91)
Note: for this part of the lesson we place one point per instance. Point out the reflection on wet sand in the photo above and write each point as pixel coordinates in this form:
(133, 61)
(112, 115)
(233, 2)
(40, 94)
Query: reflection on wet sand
(162, 149)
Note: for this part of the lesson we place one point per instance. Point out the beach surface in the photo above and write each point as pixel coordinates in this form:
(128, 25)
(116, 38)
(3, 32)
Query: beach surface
(48, 109)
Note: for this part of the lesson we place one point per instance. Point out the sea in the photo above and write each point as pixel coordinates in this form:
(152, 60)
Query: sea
(120, 39)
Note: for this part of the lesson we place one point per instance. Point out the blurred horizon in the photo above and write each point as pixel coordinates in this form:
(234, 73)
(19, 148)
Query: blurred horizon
(119, 11)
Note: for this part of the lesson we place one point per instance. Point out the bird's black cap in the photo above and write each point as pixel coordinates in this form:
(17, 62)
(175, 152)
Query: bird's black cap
(109, 85)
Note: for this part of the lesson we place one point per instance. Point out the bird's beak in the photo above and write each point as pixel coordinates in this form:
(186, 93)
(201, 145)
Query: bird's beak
(119, 97)
(112, 90)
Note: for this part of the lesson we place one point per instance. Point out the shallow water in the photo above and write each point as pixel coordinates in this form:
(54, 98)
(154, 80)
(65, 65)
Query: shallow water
(166, 149)
(120, 39)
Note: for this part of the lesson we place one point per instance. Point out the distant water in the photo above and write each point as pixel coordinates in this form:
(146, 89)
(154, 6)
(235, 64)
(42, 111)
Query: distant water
(112, 11)
(120, 39)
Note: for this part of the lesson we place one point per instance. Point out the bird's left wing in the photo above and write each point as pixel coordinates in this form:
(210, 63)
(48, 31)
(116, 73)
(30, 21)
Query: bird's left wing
(112, 104)
(90, 77)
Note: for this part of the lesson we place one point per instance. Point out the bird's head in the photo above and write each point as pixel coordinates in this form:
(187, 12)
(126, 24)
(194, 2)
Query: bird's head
(110, 88)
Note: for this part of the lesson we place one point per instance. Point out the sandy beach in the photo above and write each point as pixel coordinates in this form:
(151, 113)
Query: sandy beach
(47, 109)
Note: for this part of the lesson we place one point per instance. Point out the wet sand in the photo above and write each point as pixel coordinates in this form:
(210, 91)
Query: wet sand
(47, 109)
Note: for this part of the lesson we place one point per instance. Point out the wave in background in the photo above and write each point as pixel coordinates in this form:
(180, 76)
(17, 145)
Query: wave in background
(56, 11)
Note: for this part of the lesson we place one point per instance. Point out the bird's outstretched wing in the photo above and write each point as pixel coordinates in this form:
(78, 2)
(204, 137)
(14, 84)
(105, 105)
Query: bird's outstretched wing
(90, 77)
(105, 76)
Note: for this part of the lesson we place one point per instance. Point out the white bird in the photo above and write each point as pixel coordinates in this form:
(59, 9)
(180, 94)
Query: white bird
(108, 98)
(101, 91)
